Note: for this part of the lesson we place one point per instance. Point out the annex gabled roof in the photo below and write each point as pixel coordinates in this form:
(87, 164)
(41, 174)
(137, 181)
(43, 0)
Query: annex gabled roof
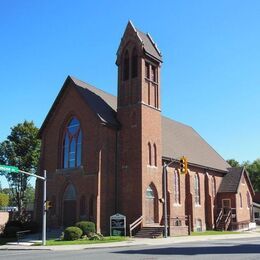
(149, 46)
(231, 180)
(177, 139)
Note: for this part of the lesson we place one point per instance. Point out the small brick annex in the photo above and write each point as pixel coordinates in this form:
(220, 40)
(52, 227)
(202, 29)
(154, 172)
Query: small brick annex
(123, 143)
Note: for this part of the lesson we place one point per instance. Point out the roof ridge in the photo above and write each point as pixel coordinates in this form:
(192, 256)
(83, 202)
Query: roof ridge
(90, 85)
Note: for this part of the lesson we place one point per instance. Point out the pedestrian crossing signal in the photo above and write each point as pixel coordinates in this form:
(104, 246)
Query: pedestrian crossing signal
(183, 165)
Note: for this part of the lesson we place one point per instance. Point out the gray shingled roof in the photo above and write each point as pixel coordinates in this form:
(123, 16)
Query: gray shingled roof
(231, 180)
(182, 140)
(102, 103)
(178, 139)
(149, 45)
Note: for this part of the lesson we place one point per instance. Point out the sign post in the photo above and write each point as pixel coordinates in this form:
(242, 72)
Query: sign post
(14, 169)
(117, 225)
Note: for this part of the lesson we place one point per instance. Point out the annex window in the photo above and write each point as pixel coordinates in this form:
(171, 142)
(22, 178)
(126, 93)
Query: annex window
(155, 154)
(176, 188)
(248, 199)
(213, 183)
(149, 154)
(197, 189)
(72, 144)
(134, 63)
(126, 66)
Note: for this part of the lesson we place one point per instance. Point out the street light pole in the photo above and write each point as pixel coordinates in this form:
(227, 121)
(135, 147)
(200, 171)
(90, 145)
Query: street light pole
(44, 210)
(165, 199)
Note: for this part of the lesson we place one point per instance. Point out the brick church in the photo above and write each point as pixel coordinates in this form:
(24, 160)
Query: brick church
(105, 155)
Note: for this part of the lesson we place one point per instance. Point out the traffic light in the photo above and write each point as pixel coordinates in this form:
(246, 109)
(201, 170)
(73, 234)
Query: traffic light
(48, 205)
(183, 165)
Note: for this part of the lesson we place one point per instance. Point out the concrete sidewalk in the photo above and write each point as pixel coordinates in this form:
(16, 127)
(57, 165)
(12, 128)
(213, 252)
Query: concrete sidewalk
(129, 243)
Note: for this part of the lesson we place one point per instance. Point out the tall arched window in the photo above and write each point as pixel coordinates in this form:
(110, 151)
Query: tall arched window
(155, 154)
(149, 154)
(72, 144)
(197, 189)
(177, 188)
(134, 63)
(126, 66)
(213, 183)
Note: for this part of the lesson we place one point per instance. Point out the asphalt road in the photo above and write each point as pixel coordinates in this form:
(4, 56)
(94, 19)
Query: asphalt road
(248, 248)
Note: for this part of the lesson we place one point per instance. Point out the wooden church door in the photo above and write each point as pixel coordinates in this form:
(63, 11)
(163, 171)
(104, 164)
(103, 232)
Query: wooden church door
(149, 206)
(69, 206)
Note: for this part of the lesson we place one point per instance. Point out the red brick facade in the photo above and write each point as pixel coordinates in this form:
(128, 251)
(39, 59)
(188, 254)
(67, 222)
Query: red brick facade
(121, 167)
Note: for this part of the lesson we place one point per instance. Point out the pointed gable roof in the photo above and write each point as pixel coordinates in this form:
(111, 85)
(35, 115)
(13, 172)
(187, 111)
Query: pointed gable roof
(101, 103)
(232, 179)
(148, 45)
(177, 139)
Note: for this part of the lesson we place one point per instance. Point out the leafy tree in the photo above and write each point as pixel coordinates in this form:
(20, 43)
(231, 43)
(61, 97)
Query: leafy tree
(21, 149)
(29, 195)
(4, 199)
(254, 173)
(233, 163)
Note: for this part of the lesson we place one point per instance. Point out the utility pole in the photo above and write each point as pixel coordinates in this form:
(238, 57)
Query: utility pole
(44, 210)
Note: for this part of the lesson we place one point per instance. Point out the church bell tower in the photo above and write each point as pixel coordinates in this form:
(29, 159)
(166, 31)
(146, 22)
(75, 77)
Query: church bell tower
(139, 141)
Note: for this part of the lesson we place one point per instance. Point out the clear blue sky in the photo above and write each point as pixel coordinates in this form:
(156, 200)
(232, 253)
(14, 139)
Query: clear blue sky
(210, 74)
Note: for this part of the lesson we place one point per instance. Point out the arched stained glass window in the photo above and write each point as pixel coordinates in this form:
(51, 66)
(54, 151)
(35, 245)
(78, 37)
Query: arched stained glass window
(72, 144)
(176, 187)
(149, 193)
(197, 189)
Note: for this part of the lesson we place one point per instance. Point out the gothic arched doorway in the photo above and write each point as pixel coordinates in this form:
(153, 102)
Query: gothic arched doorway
(69, 206)
(150, 205)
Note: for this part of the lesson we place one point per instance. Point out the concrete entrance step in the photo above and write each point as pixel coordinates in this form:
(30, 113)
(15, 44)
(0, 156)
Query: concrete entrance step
(151, 231)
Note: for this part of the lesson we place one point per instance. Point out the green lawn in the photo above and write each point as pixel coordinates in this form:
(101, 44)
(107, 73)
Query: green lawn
(83, 241)
(213, 232)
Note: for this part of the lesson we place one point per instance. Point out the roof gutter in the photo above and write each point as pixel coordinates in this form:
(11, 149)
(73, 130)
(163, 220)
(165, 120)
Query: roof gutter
(195, 165)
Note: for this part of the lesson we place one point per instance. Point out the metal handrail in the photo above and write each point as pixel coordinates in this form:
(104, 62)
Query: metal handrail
(228, 219)
(219, 217)
(135, 224)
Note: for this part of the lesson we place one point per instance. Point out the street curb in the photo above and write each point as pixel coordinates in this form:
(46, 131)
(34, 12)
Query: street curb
(134, 242)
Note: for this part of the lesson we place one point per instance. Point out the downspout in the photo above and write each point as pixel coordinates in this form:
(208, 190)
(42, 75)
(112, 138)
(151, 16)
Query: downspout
(116, 171)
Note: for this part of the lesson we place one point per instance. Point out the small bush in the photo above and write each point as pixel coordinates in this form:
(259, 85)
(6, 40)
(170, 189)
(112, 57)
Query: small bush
(72, 233)
(10, 231)
(95, 236)
(87, 227)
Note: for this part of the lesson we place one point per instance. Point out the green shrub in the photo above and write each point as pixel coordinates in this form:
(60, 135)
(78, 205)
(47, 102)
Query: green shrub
(10, 231)
(72, 233)
(87, 227)
(95, 236)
